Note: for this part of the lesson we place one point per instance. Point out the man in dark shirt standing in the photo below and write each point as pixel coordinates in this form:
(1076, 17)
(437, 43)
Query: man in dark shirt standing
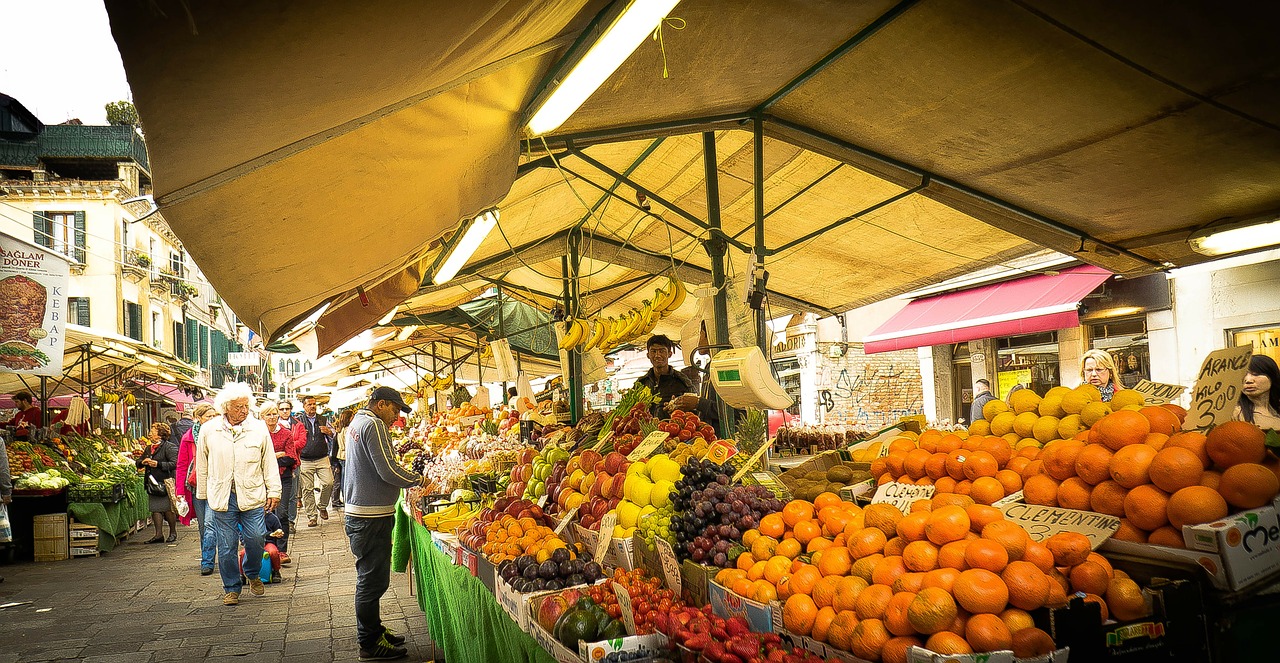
(312, 436)
(676, 390)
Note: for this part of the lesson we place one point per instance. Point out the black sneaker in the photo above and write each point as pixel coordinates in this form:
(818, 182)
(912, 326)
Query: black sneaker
(383, 651)
(206, 571)
(275, 577)
(395, 640)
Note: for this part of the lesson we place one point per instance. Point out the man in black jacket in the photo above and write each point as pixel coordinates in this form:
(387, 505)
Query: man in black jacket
(313, 436)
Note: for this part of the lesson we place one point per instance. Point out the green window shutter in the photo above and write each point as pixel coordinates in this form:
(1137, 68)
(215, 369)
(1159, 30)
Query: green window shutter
(204, 346)
(179, 342)
(193, 346)
(133, 316)
(43, 226)
(80, 253)
(82, 310)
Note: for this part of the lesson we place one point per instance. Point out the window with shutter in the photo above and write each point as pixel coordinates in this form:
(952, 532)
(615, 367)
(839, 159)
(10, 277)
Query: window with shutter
(193, 345)
(43, 227)
(80, 253)
(179, 342)
(78, 310)
(204, 346)
(133, 320)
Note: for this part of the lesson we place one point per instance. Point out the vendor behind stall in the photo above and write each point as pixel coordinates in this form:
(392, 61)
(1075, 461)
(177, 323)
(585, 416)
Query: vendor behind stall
(675, 389)
(27, 419)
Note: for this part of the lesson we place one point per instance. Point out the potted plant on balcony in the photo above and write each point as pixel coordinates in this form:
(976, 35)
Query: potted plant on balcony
(140, 259)
(187, 291)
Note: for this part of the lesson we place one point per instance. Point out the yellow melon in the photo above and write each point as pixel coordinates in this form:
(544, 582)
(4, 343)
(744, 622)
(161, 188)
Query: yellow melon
(1002, 424)
(1025, 423)
(992, 408)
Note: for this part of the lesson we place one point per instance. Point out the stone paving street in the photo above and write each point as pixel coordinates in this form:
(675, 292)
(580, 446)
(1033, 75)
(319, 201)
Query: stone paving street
(149, 603)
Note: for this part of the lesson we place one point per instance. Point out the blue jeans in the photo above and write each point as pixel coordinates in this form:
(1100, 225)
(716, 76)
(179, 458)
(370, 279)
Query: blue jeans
(251, 528)
(282, 508)
(208, 540)
(371, 544)
(293, 501)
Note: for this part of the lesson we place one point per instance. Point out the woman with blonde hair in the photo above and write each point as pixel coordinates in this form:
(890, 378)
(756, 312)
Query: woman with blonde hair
(286, 459)
(1098, 369)
(186, 486)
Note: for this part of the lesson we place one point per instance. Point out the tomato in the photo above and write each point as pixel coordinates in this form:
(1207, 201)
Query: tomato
(686, 435)
(614, 611)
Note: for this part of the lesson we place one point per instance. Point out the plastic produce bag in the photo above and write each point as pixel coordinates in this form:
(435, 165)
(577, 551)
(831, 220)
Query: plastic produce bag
(6, 532)
(505, 361)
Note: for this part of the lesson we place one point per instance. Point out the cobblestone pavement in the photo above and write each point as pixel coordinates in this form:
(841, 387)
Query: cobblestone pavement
(149, 603)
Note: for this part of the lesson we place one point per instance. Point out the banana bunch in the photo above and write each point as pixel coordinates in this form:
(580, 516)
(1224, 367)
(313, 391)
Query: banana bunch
(442, 384)
(605, 334)
(110, 396)
(451, 518)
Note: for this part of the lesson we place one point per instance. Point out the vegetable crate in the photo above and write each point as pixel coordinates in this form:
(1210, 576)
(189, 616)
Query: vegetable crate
(51, 540)
(96, 493)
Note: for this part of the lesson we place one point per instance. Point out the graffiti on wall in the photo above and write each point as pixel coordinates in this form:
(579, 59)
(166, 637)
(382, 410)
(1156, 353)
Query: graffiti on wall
(870, 391)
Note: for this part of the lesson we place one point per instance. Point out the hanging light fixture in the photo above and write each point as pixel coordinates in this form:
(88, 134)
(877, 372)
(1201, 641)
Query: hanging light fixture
(628, 29)
(406, 332)
(1235, 237)
(390, 315)
(462, 245)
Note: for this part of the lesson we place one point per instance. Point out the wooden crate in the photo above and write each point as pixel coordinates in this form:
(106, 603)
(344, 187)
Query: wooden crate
(51, 540)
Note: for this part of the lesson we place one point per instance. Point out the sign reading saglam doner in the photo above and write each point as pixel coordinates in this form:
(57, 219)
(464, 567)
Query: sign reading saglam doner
(33, 308)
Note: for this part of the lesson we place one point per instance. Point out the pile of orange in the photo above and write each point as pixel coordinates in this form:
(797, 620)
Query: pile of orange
(953, 576)
(1138, 465)
(509, 537)
(984, 467)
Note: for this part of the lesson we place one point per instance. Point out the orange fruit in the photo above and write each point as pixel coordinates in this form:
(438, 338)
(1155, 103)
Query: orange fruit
(864, 566)
(1162, 421)
(911, 526)
(806, 531)
(1074, 493)
(887, 570)
(799, 613)
(1194, 505)
(773, 526)
(951, 555)
(940, 578)
(873, 601)
(987, 632)
(1247, 485)
(1147, 507)
(1010, 536)
(1010, 480)
(895, 650)
(1068, 548)
(1166, 536)
(908, 582)
(1016, 619)
(1032, 468)
(848, 589)
(868, 639)
(946, 524)
(1040, 489)
(824, 591)
(1093, 463)
(1108, 497)
(987, 490)
(895, 546)
(775, 568)
(822, 623)
(763, 548)
(796, 511)
(867, 541)
(789, 548)
(1040, 555)
(884, 517)
(1236, 442)
(985, 554)
(1129, 532)
(952, 499)
(1028, 585)
(1090, 578)
(1130, 465)
(1175, 468)
(763, 591)
(1031, 642)
(826, 499)
(1211, 479)
(947, 644)
(1059, 458)
(913, 463)
(1156, 440)
(1017, 463)
(980, 590)
(980, 464)
(931, 610)
(981, 515)
(920, 556)
(895, 614)
(1120, 429)
(1125, 600)
(1193, 441)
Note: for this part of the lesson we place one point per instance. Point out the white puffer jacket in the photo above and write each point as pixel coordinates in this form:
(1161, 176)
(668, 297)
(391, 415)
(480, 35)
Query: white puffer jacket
(242, 453)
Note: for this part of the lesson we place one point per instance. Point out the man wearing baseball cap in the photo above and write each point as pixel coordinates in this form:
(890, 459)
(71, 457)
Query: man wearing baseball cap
(371, 484)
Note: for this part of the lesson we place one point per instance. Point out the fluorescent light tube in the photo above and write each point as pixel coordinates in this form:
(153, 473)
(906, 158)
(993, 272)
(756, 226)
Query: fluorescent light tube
(406, 332)
(460, 249)
(148, 360)
(1236, 238)
(390, 315)
(619, 41)
(365, 365)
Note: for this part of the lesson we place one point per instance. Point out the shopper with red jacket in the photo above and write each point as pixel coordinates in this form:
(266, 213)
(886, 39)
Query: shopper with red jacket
(287, 459)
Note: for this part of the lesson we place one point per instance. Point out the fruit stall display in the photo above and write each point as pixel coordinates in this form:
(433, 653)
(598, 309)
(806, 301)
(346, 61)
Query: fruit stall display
(85, 462)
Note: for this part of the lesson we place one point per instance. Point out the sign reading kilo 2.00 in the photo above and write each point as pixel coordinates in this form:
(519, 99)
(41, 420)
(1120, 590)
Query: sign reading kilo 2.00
(33, 308)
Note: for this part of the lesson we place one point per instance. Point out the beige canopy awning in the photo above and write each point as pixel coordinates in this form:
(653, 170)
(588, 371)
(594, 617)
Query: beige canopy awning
(95, 358)
(318, 148)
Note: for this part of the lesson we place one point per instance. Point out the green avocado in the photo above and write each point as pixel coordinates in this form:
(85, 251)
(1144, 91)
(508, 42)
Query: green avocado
(582, 626)
(614, 629)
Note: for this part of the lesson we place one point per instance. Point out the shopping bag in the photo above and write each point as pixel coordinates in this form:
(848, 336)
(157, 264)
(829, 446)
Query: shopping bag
(504, 360)
(6, 532)
(171, 489)
(182, 507)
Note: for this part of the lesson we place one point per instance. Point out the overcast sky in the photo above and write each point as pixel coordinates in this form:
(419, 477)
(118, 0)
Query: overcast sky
(57, 57)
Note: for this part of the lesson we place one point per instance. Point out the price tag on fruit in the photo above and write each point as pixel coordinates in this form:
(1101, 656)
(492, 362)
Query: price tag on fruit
(1217, 387)
(751, 462)
(1158, 393)
(721, 451)
(901, 495)
(647, 445)
(670, 565)
(564, 523)
(624, 604)
(1042, 522)
(605, 537)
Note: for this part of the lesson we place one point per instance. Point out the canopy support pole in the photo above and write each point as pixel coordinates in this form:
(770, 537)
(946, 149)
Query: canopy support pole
(717, 247)
(569, 267)
(44, 401)
(757, 128)
(501, 334)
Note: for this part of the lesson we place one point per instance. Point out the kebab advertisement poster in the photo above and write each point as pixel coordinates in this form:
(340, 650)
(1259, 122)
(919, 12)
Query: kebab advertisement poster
(33, 308)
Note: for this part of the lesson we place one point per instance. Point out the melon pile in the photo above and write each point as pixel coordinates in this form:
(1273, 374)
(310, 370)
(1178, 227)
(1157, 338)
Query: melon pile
(953, 576)
(1119, 458)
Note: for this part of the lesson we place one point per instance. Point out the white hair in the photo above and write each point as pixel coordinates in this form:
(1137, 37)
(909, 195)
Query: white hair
(268, 406)
(232, 391)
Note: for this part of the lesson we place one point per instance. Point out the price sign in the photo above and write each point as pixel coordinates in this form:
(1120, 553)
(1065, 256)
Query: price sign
(670, 565)
(901, 495)
(1217, 387)
(568, 518)
(603, 441)
(542, 501)
(1011, 498)
(770, 480)
(624, 603)
(1158, 393)
(721, 451)
(647, 445)
(1042, 522)
(751, 462)
(605, 536)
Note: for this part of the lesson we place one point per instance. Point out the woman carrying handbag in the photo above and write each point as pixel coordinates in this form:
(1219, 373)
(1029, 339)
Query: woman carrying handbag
(160, 460)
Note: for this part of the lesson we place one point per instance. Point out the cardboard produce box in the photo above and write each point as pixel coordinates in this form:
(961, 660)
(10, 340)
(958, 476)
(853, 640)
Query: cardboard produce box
(695, 580)
(1174, 631)
(824, 462)
(594, 651)
(726, 604)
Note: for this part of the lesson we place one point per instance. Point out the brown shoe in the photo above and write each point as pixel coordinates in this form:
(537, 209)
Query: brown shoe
(312, 523)
(231, 598)
(324, 514)
(256, 587)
